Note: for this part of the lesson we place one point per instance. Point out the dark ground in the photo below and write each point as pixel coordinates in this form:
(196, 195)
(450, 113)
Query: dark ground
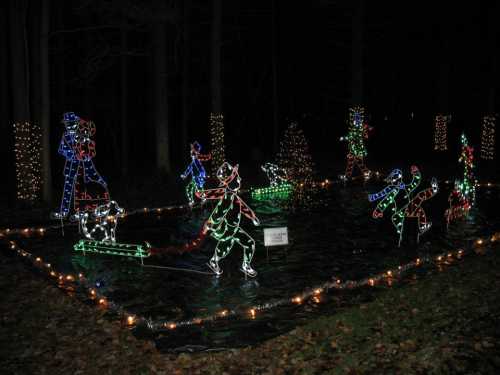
(435, 323)
(442, 322)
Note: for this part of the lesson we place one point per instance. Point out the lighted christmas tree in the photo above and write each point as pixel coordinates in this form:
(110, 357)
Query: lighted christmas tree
(463, 195)
(217, 141)
(488, 138)
(355, 138)
(294, 156)
(440, 132)
(27, 149)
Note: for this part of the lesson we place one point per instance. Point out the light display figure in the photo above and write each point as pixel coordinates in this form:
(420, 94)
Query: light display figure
(105, 222)
(78, 148)
(462, 197)
(99, 229)
(275, 174)
(412, 209)
(441, 124)
(279, 188)
(224, 223)
(358, 132)
(27, 148)
(216, 127)
(197, 172)
(488, 137)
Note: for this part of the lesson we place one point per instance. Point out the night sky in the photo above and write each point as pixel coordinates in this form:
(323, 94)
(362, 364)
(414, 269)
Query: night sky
(418, 57)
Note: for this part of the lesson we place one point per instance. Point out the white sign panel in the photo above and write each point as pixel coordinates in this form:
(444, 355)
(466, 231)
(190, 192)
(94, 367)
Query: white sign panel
(275, 236)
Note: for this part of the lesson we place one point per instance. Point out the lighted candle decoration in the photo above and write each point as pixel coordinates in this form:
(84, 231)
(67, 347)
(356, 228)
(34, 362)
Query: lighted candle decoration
(27, 149)
(224, 223)
(488, 137)
(279, 187)
(440, 132)
(358, 132)
(197, 172)
(412, 208)
(463, 196)
(217, 141)
(78, 148)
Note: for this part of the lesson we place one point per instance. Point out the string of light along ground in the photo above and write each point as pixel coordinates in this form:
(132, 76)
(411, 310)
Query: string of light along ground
(71, 282)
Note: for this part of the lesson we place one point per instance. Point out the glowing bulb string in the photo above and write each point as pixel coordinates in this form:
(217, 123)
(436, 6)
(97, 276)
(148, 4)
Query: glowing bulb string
(76, 282)
(28, 231)
(314, 293)
(71, 282)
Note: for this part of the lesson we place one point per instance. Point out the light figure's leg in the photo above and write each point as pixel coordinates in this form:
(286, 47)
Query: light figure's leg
(200, 182)
(190, 189)
(423, 224)
(349, 166)
(222, 250)
(91, 174)
(360, 162)
(248, 245)
(70, 170)
(398, 221)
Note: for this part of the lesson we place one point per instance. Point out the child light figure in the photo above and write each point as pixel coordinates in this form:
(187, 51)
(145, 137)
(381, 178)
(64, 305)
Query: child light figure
(275, 174)
(224, 222)
(197, 172)
(412, 209)
(78, 149)
(357, 133)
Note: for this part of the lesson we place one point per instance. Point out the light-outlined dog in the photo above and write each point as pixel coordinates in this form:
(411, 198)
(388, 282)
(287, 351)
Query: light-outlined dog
(105, 222)
(275, 174)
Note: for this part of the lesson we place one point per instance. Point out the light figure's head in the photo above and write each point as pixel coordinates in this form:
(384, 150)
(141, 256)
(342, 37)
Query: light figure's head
(395, 177)
(229, 177)
(70, 121)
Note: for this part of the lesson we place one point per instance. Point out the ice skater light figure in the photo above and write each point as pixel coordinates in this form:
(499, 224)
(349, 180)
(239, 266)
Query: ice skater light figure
(197, 172)
(463, 196)
(224, 223)
(78, 149)
(357, 133)
(411, 209)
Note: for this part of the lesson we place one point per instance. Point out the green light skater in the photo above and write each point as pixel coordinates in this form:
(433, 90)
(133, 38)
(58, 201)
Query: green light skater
(224, 222)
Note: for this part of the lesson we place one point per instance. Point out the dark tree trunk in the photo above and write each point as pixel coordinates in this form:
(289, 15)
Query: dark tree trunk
(163, 162)
(61, 76)
(492, 48)
(34, 55)
(443, 81)
(19, 61)
(357, 53)
(45, 101)
(274, 48)
(443, 84)
(185, 74)
(216, 82)
(124, 96)
(5, 125)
